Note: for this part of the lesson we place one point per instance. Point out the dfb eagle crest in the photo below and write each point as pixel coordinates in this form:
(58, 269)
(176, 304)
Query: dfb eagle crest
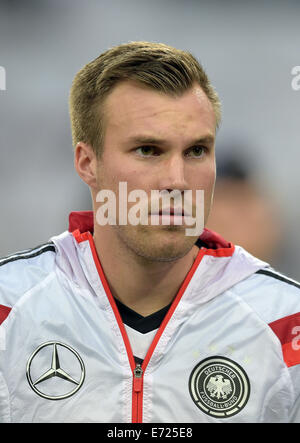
(219, 387)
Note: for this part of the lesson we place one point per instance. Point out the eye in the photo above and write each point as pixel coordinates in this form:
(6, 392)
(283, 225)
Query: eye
(196, 151)
(146, 151)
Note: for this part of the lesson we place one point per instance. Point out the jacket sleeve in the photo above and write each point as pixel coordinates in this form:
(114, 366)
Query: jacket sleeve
(275, 298)
(287, 329)
(295, 380)
(19, 273)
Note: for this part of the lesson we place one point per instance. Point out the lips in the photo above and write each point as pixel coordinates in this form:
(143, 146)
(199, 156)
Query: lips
(171, 211)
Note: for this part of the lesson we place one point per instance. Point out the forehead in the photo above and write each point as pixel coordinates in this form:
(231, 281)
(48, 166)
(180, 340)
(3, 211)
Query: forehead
(131, 106)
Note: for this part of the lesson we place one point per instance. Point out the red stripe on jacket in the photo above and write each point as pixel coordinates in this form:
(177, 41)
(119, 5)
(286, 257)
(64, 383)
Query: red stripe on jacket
(287, 330)
(4, 311)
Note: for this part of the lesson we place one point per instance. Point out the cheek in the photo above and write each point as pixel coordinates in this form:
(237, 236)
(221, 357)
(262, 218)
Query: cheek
(212, 183)
(205, 180)
(111, 174)
(211, 176)
(207, 184)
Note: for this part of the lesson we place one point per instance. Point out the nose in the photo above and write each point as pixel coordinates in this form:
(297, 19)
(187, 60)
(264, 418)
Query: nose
(173, 174)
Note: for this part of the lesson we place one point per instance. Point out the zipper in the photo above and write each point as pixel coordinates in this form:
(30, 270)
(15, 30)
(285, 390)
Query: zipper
(137, 369)
(137, 395)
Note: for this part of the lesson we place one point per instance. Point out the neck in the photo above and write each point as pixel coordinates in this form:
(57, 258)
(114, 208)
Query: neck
(143, 285)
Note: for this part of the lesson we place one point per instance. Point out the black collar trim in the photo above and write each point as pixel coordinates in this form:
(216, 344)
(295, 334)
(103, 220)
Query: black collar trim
(138, 322)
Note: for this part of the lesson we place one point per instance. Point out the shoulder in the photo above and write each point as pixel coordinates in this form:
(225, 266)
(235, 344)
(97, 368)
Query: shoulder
(275, 298)
(272, 294)
(21, 271)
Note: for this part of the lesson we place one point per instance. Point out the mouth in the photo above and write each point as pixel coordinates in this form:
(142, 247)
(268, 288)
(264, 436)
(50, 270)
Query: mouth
(175, 212)
(170, 215)
(172, 211)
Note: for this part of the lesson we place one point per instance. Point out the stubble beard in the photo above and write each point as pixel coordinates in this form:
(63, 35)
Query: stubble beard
(155, 244)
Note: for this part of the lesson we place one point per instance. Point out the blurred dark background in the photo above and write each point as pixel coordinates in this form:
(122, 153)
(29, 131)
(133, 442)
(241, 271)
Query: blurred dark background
(247, 48)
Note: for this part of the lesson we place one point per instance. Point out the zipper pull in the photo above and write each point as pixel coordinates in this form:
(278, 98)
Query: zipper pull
(138, 378)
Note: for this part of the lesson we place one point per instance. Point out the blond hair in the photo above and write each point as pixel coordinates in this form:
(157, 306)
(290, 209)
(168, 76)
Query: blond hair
(154, 65)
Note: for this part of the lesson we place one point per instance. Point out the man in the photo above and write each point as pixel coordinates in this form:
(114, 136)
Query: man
(140, 322)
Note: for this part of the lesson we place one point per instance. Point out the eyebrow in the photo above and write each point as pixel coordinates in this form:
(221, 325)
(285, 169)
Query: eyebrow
(160, 141)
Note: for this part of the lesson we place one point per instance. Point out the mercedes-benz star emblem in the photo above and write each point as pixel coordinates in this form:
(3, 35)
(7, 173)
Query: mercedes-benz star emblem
(72, 371)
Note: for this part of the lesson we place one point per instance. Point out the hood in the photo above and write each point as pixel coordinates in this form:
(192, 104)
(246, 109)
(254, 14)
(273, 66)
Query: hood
(218, 266)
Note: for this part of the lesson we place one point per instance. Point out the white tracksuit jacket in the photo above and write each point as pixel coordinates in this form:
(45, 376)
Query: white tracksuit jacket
(228, 349)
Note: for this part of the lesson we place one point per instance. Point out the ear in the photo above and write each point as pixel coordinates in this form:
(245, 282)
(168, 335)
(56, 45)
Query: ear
(85, 162)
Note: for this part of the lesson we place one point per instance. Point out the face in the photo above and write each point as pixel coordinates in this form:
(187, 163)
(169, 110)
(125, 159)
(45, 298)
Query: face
(157, 142)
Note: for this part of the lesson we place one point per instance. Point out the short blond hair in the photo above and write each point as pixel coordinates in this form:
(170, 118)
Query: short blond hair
(155, 65)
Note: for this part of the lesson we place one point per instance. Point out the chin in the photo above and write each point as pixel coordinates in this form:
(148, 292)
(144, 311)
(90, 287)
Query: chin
(160, 245)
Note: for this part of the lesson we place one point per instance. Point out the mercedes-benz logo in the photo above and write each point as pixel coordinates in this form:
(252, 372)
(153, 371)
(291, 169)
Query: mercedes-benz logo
(54, 370)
